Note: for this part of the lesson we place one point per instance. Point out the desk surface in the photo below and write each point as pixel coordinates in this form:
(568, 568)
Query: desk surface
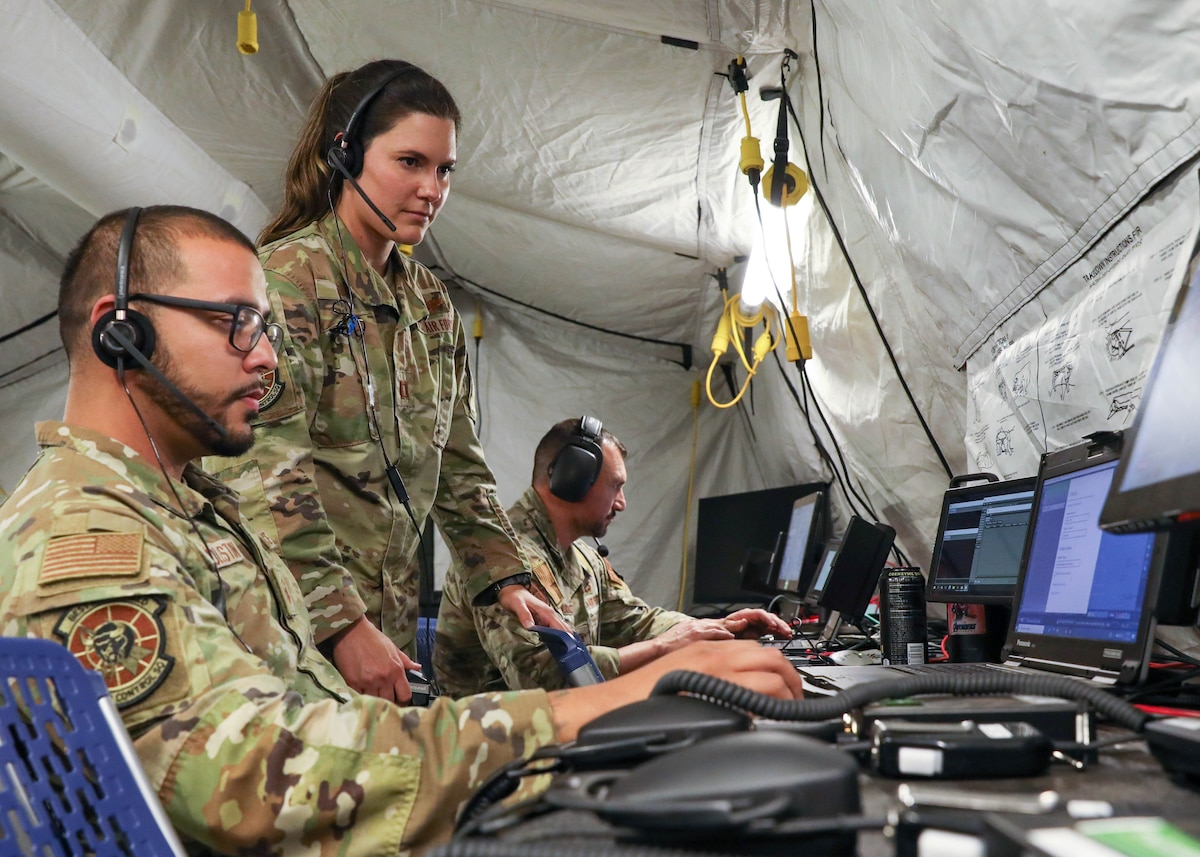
(1125, 775)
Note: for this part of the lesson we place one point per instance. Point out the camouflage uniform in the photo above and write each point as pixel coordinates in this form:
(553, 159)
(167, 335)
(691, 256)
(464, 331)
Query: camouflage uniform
(251, 738)
(487, 649)
(318, 467)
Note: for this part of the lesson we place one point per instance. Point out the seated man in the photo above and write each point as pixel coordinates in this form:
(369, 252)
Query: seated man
(578, 488)
(118, 547)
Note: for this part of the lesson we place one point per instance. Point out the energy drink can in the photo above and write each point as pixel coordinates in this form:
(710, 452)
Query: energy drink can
(902, 615)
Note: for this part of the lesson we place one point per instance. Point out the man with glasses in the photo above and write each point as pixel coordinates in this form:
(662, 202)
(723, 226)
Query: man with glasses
(118, 547)
(246, 324)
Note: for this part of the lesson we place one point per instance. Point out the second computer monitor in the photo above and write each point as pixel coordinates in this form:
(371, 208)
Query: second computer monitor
(802, 543)
(824, 568)
(855, 572)
(981, 535)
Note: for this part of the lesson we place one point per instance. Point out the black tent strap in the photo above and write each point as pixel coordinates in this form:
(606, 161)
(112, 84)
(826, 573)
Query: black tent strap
(685, 350)
(37, 322)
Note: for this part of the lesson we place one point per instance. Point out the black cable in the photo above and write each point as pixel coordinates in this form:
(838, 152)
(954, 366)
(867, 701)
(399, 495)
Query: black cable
(836, 447)
(1163, 685)
(863, 292)
(502, 783)
(353, 326)
(949, 681)
(686, 350)
(847, 488)
(812, 430)
(518, 848)
(217, 599)
(1180, 655)
(820, 91)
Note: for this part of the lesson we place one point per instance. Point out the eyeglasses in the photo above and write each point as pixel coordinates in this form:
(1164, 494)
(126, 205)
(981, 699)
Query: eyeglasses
(245, 329)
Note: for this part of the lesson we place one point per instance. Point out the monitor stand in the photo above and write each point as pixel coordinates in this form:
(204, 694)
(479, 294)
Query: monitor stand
(829, 634)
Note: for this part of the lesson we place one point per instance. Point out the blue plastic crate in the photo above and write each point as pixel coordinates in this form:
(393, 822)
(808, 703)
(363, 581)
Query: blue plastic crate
(70, 783)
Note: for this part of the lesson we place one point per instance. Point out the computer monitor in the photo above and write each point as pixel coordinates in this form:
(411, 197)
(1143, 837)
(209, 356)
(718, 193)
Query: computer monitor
(1157, 483)
(802, 543)
(854, 575)
(980, 538)
(824, 567)
(728, 527)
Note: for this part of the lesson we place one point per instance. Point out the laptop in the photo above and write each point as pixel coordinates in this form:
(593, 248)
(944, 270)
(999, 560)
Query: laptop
(1085, 598)
(981, 536)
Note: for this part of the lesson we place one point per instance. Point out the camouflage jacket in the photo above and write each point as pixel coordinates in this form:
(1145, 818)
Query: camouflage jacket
(316, 478)
(485, 648)
(250, 737)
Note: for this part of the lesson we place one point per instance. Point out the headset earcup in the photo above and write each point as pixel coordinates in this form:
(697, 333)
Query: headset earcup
(345, 157)
(135, 327)
(575, 470)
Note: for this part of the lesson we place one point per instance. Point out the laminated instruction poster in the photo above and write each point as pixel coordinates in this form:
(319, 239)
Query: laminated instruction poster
(1082, 370)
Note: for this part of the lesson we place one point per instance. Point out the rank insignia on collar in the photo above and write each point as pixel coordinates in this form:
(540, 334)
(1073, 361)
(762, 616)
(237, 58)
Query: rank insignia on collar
(122, 640)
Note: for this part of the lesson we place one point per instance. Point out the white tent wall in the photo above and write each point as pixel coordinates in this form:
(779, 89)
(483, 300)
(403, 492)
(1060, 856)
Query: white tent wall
(997, 143)
(40, 396)
(969, 155)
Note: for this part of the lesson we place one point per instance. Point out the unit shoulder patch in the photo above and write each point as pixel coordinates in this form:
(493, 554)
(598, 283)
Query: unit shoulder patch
(275, 387)
(122, 640)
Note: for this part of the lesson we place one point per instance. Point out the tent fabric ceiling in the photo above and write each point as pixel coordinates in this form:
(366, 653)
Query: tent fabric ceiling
(967, 154)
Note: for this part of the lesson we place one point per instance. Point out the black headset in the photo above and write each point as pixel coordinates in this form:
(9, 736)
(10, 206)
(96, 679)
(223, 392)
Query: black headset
(122, 323)
(577, 466)
(346, 154)
(124, 338)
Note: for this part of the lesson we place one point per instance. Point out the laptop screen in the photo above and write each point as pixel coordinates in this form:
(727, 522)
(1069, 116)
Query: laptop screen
(981, 534)
(1158, 482)
(1081, 582)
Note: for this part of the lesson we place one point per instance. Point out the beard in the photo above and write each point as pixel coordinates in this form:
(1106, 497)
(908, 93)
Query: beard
(237, 440)
(599, 528)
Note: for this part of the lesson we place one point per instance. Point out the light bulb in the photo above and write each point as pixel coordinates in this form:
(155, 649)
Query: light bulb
(757, 285)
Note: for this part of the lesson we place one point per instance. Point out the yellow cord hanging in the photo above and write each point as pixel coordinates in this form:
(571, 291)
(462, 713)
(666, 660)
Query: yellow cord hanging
(732, 324)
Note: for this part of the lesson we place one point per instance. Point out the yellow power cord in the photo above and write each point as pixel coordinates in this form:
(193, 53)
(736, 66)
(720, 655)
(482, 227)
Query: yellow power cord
(687, 511)
(729, 329)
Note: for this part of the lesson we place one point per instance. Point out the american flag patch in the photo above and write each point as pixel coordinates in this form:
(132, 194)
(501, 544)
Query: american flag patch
(91, 555)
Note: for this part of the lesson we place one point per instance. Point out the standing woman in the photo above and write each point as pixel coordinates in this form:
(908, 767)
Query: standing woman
(368, 426)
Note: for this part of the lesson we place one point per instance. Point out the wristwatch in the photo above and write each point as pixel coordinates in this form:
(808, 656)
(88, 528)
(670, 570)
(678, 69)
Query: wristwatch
(492, 594)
